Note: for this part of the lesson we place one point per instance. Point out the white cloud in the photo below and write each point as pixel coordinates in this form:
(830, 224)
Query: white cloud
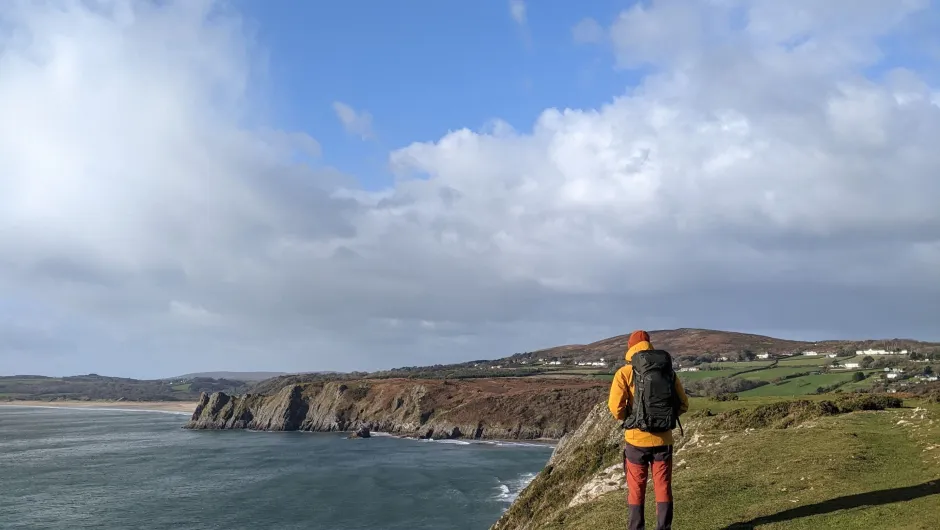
(759, 177)
(355, 122)
(588, 30)
(517, 10)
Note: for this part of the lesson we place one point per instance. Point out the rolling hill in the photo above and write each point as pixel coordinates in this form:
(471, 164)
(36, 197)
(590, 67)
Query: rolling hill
(687, 342)
(249, 377)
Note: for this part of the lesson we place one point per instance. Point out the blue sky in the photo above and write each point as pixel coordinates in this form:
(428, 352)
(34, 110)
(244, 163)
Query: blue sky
(422, 68)
(149, 226)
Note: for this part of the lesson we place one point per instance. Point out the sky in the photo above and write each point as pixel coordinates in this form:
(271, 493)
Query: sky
(195, 185)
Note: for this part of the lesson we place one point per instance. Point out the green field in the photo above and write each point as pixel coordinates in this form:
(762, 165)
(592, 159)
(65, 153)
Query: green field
(773, 373)
(705, 374)
(799, 386)
(802, 360)
(764, 371)
(854, 472)
(864, 384)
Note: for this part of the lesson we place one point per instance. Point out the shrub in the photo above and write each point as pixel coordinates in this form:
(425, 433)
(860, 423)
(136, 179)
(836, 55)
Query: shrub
(784, 414)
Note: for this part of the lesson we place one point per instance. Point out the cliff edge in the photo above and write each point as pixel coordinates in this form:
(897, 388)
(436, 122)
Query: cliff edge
(496, 409)
(583, 484)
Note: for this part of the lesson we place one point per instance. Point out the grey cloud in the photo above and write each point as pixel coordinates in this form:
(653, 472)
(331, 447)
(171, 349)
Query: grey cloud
(744, 184)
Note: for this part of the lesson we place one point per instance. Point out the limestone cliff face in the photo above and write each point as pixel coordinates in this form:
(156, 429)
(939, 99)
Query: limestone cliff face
(495, 409)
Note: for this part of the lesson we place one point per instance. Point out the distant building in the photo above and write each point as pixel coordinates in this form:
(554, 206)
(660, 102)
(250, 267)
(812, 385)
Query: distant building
(811, 353)
(851, 366)
(689, 369)
(763, 356)
(877, 352)
(831, 355)
(723, 359)
(893, 375)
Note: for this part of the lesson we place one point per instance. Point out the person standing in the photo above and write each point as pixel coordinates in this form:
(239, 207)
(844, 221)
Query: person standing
(647, 396)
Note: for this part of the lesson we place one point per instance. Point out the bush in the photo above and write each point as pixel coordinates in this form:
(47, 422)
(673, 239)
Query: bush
(869, 402)
(784, 414)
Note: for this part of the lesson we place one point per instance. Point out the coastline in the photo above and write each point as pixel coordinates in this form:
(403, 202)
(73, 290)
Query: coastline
(179, 407)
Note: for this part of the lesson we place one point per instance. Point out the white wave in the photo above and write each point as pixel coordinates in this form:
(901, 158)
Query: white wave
(510, 490)
(446, 441)
(502, 443)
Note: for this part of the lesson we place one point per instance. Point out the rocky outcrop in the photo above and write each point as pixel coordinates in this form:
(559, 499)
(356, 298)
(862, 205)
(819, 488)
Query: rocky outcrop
(495, 409)
(363, 432)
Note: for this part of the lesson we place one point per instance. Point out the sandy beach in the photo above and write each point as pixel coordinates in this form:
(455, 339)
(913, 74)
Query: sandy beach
(163, 406)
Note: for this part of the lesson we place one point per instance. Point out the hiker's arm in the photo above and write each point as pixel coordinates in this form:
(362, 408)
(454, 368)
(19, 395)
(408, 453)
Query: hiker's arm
(619, 398)
(683, 398)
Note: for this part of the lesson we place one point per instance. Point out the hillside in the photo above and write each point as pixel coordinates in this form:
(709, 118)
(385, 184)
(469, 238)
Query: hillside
(689, 342)
(94, 387)
(505, 409)
(814, 464)
(250, 377)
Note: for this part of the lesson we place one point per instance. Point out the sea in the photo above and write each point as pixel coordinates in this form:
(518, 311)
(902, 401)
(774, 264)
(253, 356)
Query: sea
(114, 469)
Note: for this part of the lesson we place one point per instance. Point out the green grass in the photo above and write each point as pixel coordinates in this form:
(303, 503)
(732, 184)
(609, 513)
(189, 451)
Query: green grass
(805, 361)
(704, 374)
(863, 384)
(773, 373)
(181, 388)
(849, 472)
(798, 386)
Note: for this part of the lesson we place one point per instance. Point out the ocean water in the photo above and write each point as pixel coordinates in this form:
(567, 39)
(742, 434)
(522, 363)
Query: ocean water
(78, 469)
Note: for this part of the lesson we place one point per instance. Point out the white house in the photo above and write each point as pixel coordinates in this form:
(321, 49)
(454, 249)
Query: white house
(723, 359)
(763, 356)
(893, 375)
(851, 366)
(811, 353)
(689, 369)
(876, 352)
(831, 355)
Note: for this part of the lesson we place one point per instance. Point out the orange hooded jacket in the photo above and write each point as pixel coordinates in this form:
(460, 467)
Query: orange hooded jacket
(621, 401)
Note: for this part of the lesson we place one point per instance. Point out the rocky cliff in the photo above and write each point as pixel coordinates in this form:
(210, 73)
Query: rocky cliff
(503, 408)
(591, 451)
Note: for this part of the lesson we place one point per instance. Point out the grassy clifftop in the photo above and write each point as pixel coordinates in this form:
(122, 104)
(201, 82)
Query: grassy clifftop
(800, 464)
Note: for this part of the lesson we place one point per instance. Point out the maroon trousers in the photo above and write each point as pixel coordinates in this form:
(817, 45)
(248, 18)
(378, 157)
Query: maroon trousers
(637, 462)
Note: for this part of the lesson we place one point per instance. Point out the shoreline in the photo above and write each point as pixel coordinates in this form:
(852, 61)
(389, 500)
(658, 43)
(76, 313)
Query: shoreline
(178, 407)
